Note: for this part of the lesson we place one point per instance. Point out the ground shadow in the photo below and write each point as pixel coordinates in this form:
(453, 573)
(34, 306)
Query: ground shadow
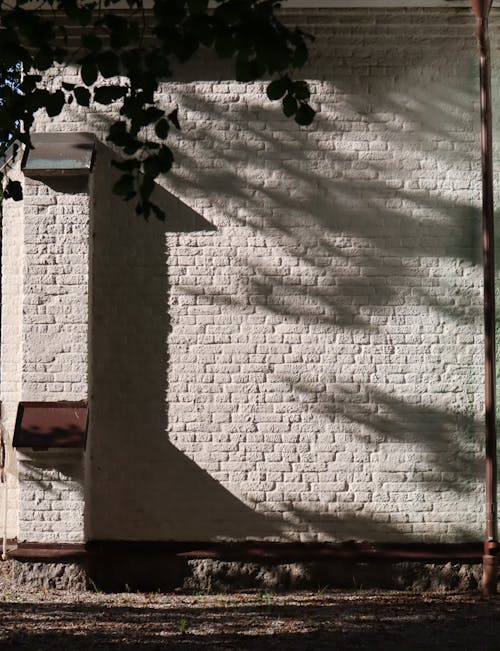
(325, 621)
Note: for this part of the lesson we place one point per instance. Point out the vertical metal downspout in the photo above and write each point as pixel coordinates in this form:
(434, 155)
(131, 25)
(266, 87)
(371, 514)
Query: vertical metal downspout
(490, 559)
(3, 482)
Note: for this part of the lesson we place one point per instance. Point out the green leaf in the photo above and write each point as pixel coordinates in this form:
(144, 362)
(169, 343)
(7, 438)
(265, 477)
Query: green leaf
(173, 117)
(289, 105)
(299, 57)
(166, 158)
(55, 103)
(120, 30)
(158, 212)
(91, 42)
(126, 165)
(124, 187)
(277, 55)
(43, 60)
(13, 190)
(245, 69)
(197, 6)
(205, 33)
(109, 64)
(119, 135)
(29, 82)
(162, 128)
(304, 115)
(89, 73)
(277, 88)
(109, 94)
(132, 146)
(151, 167)
(82, 95)
(85, 16)
(225, 46)
(147, 186)
(118, 128)
(159, 163)
(152, 114)
(157, 63)
(301, 90)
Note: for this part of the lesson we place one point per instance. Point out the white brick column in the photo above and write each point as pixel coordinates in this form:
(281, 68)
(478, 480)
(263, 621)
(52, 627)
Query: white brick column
(10, 358)
(54, 354)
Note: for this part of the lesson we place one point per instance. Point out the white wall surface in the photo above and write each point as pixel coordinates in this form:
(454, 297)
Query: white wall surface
(297, 353)
(321, 352)
(45, 326)
(11, 341)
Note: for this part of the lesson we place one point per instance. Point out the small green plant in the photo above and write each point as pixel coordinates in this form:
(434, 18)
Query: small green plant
(183, 626)
(323, 590)
(205, 588)
(265, 598)
(93, 585)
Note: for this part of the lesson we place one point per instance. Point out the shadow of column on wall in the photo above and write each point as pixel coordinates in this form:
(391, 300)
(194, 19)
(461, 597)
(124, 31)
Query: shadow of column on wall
(363, 235)
(139, 485)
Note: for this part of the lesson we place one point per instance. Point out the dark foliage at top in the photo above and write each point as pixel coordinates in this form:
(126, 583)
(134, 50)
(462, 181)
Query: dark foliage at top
(124, 52)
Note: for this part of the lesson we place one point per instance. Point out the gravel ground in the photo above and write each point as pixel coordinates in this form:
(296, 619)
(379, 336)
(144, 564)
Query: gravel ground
(47, 620)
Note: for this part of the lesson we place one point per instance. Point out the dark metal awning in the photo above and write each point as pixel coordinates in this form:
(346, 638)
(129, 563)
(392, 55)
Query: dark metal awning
(43, 425)
(59, 154)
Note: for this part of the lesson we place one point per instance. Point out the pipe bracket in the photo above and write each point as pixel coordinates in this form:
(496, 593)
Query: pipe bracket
(491, 548)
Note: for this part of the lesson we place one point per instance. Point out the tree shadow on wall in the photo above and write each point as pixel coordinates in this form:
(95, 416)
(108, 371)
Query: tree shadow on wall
(139, 485)
(354, 233)
(297, 195)
(447, 441)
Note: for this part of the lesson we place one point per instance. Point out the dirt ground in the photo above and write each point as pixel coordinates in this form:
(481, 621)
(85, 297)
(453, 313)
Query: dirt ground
(46, 620)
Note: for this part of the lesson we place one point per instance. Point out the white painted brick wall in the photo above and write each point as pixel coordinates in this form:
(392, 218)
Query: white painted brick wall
(51, 496)
(312, 368)
(55, 304)
(326, 351)
(10, 352)
(52, 362)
